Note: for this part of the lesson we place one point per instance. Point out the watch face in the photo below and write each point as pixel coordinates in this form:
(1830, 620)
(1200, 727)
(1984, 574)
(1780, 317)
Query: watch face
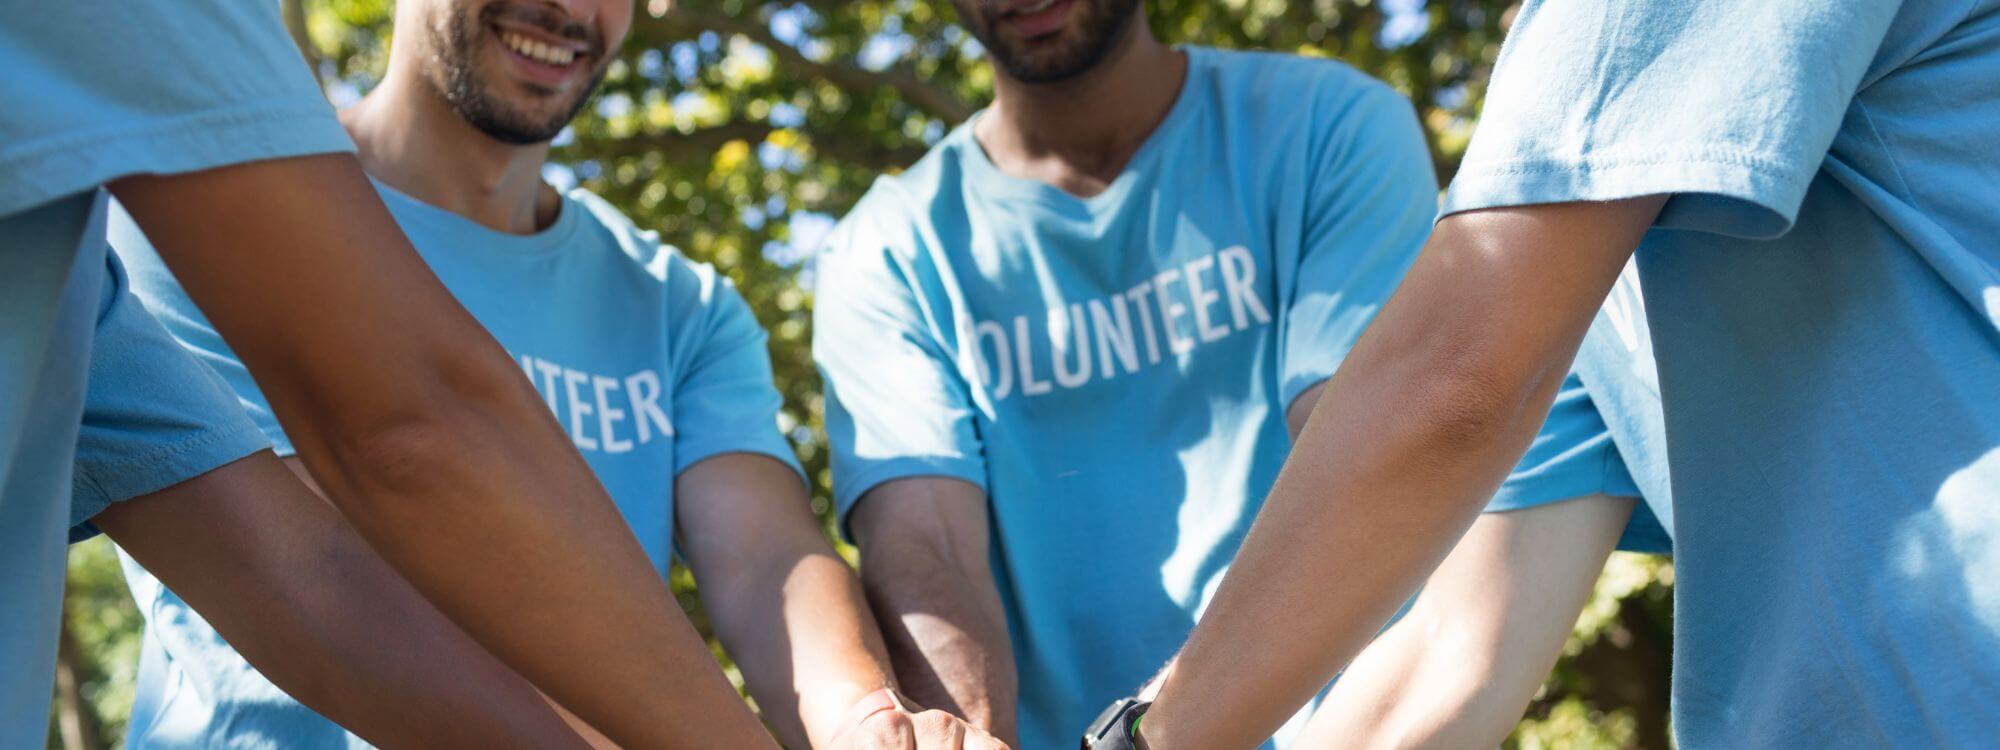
(1112, 729)
(1107, 723)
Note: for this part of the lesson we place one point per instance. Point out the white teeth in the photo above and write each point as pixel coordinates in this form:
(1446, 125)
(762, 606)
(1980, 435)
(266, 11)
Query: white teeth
(537, 51)
(1037, 7)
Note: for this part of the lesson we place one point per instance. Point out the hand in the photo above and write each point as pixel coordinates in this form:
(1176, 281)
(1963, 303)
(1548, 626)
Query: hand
(883, 721)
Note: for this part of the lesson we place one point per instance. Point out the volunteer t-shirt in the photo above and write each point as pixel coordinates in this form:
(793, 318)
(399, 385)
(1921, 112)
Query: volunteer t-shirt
(1823, 289)
(1114, 371)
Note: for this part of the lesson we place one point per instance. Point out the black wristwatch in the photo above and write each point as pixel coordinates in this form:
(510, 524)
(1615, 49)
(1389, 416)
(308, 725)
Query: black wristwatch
(1118, 727)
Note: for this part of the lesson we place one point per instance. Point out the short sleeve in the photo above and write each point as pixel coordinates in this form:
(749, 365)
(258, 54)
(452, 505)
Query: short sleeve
(1573, 456)
(1729, 106)
(154, 284)
(1576, 456)
(724, 398)
(896, 407)
(99, 90)
(153, 417)
(1370, 204)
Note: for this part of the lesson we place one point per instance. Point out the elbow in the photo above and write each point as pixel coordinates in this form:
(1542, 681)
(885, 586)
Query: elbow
(906, 572)
(420, 434)
(394, 457)
(1469, 399)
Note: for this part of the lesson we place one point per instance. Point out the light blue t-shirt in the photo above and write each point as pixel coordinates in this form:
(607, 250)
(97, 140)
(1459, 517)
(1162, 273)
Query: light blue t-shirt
(1114, 371)
(1824, 296)
(96, 91)
(649, 361)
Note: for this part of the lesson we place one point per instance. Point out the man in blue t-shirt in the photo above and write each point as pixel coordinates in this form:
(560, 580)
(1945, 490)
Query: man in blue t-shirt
(1065, 352)
(1810, 190)
(653, 366)
(201, 118)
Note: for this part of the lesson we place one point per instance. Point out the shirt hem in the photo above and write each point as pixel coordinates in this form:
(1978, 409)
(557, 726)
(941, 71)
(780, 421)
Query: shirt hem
(1729, 193)
(187, 143)
(100, 485)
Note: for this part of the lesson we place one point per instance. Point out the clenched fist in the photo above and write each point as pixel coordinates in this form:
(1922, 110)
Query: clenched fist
(884, 721)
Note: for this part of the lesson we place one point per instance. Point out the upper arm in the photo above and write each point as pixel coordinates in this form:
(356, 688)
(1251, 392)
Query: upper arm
(299, 266)
(736, 508)
(1496, 306)
(933, 519)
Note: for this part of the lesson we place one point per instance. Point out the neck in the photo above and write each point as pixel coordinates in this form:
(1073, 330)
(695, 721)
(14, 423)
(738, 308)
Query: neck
(1079, 133)
(408, 137)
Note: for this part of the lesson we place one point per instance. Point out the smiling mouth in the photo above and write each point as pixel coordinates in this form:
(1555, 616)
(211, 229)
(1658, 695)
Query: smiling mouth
(537, 51)
(1031, 9)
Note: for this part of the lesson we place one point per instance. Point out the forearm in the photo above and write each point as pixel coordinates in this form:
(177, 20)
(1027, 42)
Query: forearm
(947, 636)
(1268, 642)
(797, 625)
(1418, 428)
(279, 576)
(422, 431)
(584, 561)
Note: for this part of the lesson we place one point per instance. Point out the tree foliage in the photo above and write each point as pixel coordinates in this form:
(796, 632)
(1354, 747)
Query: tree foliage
(740, 128)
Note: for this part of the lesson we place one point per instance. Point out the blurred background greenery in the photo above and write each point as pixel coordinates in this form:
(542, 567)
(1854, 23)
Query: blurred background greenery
(740, 129)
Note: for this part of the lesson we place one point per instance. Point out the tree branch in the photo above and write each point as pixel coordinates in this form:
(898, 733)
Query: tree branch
(76, 720)
(676, 146)
(295, 23)
(685, 21)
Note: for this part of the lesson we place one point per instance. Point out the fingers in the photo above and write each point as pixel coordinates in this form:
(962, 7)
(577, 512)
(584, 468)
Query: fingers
(888, 730)
(921, 730)
(938, 730)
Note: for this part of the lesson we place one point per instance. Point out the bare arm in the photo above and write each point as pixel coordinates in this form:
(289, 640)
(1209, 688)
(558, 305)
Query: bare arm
(423, 432)
(1432, 408)
(1460, 668)
(289, 584)
(785, 605)
(595, 739)
(924, 565)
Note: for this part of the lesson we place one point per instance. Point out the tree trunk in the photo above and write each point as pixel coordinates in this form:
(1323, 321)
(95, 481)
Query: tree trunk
(76, 719)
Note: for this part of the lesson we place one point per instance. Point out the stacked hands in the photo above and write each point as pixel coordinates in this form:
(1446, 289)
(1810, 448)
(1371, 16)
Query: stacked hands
(884, 720)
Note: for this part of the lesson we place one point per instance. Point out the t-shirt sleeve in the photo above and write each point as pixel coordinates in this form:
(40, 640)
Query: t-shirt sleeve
(99, 90)
(153, 417)
(1729, 106)
(1573, 456)
(724, 398)
(162, 294)
(896, 406)
(1370, 202)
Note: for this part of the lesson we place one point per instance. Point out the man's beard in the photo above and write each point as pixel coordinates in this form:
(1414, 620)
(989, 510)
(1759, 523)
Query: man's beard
(1104, 23)
(462, 87)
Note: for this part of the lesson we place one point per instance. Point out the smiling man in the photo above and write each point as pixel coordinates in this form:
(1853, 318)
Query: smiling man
(652, 364)
(1065, 353)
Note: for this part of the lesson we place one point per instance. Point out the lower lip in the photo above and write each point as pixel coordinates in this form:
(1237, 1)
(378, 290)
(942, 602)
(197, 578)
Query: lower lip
(535, 70)
(1044, 22)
